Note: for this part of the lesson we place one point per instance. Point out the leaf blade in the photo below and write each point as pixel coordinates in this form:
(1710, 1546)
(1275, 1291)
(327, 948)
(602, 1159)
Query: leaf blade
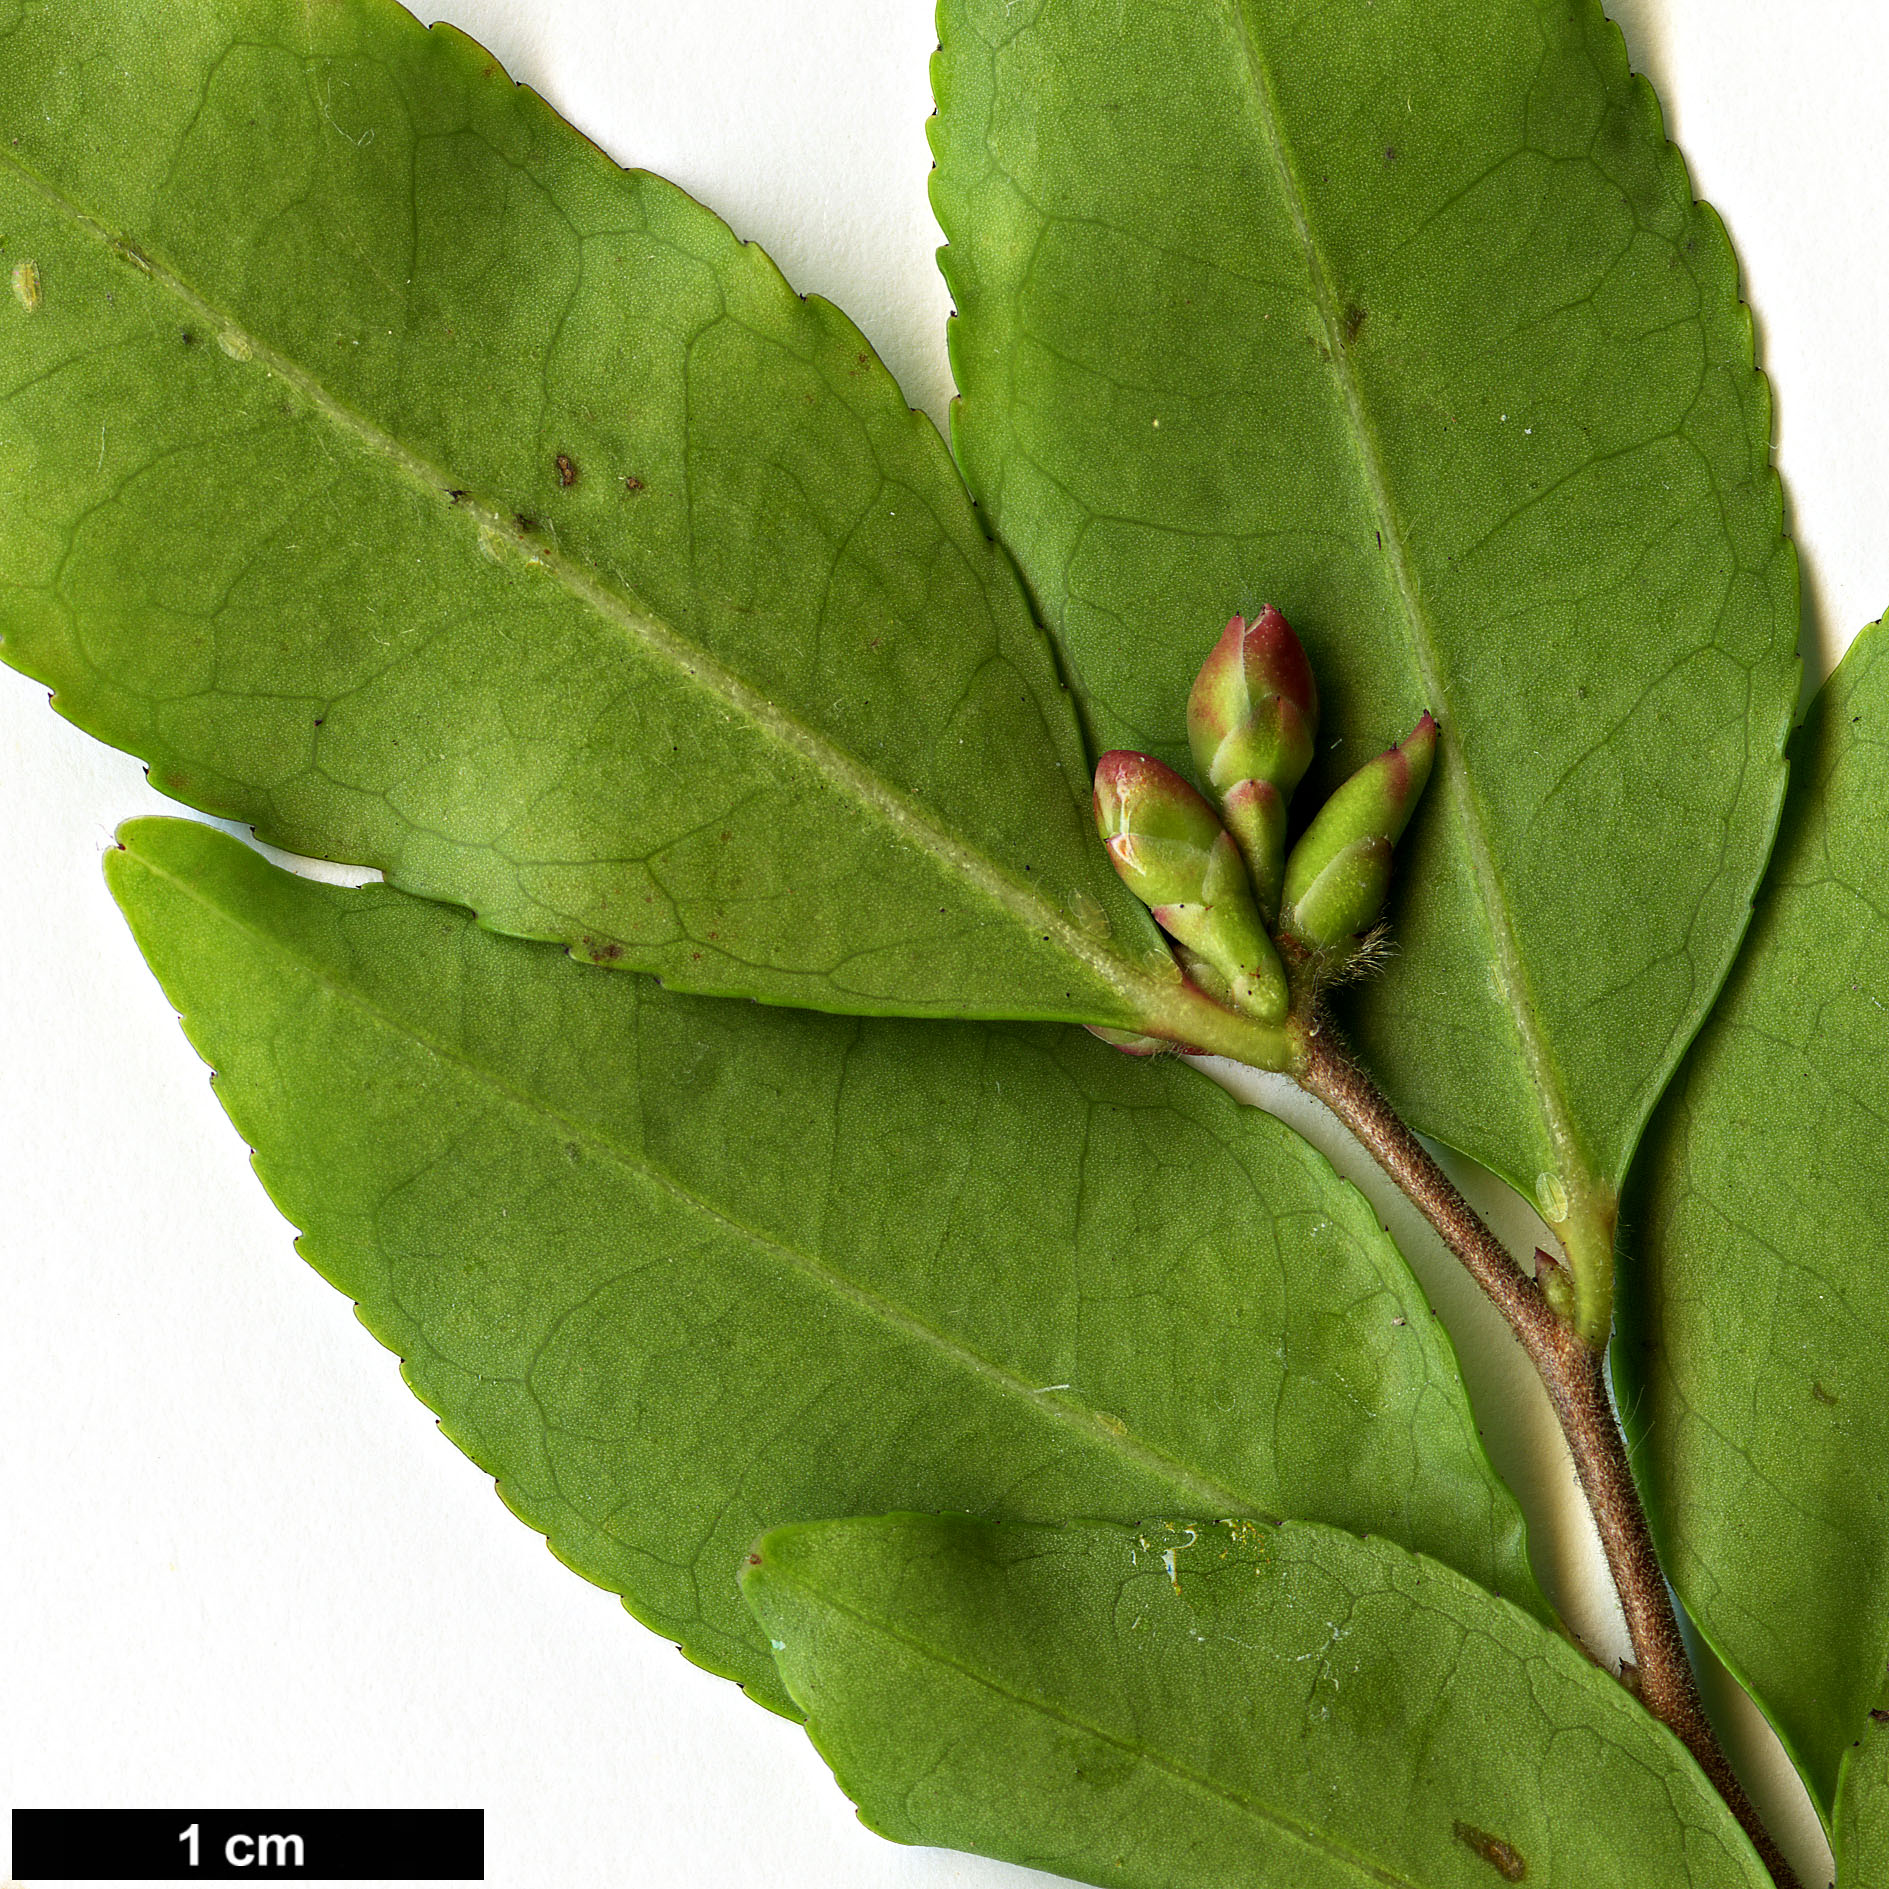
(1194, 1704)
(397, 475)
(1275, 304)
(1861, 1824)
(1752, 1331)
(614, 1233)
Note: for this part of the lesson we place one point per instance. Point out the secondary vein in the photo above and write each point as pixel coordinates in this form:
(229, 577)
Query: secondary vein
(1196, 1486)
(1278, 1820)
(616, 606)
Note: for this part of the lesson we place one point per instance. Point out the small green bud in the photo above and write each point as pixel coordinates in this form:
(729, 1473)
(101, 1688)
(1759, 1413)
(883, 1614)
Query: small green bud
(1255, 814)
(1251, 719)
(1556, 1286)
(1175, 856)
(1339, 873)
(1203, 976)
(1346, 897)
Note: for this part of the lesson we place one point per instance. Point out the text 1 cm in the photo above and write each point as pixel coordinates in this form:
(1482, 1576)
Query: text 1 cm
(243, 1852)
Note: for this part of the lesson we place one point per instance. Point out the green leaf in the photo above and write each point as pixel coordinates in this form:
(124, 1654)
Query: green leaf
(1197, 1706)
(1401, 316)
(393, 472)
(1756, 1315)
(1862, 1816)
(675, 1270)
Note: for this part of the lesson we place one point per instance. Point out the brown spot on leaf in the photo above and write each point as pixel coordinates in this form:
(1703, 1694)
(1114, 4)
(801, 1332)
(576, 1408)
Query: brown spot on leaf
(1877, 1716)
(631, 483)
(1504, 1858)
(567, 470)
(523, 523)
(1354, 320)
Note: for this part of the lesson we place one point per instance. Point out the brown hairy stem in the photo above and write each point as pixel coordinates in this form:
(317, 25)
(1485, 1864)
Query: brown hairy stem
(1575, 1375)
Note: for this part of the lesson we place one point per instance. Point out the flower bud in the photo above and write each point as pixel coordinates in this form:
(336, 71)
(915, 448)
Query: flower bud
(1339, 873)
(1251, 719)
(1175, 856)
(1346, 897)
(1255, 814)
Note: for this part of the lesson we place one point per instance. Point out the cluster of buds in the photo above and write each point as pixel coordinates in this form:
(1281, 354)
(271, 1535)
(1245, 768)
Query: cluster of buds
(1213, 868)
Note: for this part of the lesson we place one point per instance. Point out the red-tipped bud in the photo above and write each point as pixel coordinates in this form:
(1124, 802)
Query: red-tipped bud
(1253, 711)
(1250, 722)
(1174, 855)
(1158, 828)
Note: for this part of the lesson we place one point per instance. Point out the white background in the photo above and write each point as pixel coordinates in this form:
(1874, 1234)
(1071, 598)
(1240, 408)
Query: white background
(241, 1567)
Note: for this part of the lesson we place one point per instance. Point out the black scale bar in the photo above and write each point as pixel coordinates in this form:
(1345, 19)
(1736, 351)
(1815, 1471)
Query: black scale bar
(239, 1845)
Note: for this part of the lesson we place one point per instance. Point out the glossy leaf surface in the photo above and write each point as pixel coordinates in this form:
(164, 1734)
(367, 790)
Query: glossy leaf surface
(392, 471)
(1756, 1318)
(1217, 1705)
(675, 1269)
(1400, 316)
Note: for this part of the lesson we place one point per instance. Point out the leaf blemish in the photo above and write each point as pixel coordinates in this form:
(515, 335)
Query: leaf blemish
(567, 470)
(1504, 1858)
(26, 284)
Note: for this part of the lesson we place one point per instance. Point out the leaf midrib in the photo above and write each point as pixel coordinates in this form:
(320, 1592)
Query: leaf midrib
(1542, 1072)
(1194, 1780)
(1192, 1483)
(626, 614)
